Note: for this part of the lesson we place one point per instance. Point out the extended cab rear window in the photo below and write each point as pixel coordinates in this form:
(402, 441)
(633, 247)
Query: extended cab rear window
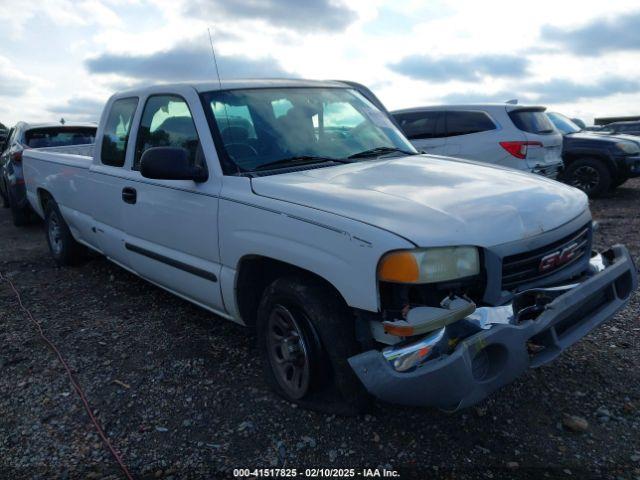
(59, 136)
(116, 131)
(532, 121)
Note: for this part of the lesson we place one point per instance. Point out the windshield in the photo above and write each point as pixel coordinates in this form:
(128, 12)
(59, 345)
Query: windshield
(562, 123)
(286, 126)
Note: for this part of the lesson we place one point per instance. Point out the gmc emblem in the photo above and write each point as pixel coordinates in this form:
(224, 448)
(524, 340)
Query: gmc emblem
(558, 258)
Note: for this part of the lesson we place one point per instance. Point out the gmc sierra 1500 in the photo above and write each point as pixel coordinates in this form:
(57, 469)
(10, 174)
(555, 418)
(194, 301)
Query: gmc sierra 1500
(299, 208)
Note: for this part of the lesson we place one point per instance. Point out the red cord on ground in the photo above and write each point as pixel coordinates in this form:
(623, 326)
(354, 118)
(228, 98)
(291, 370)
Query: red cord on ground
(74, 382)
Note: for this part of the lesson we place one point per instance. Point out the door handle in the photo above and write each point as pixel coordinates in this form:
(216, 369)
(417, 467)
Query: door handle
(129, 195)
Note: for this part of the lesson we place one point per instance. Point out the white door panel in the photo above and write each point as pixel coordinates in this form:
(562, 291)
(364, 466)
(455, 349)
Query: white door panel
(431, 145)
(172, 238)
(106, 185)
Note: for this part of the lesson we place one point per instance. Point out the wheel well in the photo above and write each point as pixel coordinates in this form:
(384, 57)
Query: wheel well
(44, 197)
(570, 158)
(256, 273)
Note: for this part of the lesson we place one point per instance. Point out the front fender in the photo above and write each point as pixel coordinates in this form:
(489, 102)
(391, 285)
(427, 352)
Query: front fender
(343, 252)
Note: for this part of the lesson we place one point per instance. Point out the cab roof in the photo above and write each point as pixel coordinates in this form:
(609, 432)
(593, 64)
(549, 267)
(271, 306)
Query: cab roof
(238, 84)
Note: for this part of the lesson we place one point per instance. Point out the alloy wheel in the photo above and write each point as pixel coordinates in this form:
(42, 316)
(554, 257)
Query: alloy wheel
(586, 178)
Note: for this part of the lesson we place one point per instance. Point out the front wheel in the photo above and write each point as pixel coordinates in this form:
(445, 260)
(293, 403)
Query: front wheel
(589, 175)
(305, 336)
(63, 247)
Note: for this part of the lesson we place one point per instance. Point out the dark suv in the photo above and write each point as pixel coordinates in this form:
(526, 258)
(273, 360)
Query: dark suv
(23, 136)
(596, 163)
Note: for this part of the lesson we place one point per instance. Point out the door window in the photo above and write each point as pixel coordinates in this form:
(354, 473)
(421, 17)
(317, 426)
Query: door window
(116, 132)
(167, 122)
(464, 123)
(419, 125)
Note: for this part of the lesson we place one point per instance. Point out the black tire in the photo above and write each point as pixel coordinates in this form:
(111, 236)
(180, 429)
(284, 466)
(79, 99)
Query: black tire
(63, 247)
(618, 182)
(590, 175)
(19, 216)
(3, 196)
(325, 337)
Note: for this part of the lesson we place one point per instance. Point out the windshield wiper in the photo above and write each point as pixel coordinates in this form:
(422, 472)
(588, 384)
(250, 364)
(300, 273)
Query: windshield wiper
(297, 161)
(378, 151)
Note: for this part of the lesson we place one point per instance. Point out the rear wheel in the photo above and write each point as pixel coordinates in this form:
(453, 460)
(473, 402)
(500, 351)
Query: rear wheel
(63, 247)
(589, 175)
(305, 336)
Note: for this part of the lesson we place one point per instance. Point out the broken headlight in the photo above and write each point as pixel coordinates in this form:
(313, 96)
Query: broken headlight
(429, 265)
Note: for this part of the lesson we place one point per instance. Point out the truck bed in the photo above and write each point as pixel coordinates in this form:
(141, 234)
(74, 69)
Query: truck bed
(63, 173)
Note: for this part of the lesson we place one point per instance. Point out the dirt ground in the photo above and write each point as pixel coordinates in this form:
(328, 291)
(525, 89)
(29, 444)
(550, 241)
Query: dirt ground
(180, 392)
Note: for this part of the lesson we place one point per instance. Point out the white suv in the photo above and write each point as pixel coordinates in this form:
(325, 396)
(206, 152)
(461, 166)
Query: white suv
(515, 136)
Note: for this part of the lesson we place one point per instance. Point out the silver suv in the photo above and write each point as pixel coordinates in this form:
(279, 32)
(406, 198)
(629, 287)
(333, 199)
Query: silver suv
(515, 136)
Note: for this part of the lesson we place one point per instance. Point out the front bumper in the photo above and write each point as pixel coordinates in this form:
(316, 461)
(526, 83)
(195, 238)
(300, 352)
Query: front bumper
(632, 166)
(492, 358)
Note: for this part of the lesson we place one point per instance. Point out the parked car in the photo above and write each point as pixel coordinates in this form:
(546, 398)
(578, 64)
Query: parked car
(596, 163)
(627, 128)
(509, 135)
(25, 136)
(365, 268)
(4, 133)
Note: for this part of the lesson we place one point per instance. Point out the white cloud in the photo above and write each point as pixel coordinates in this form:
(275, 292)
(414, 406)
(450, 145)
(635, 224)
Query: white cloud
(13, 83)
(358, 40)
(15, 15)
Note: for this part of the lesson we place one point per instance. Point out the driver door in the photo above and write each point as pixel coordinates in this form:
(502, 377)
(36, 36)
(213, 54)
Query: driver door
(172, 225)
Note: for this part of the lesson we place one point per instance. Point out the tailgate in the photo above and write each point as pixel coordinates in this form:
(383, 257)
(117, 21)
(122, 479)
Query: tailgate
(546, 142)
(548, 154)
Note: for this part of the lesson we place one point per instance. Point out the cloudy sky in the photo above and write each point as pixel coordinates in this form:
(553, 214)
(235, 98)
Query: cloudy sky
(63, 58)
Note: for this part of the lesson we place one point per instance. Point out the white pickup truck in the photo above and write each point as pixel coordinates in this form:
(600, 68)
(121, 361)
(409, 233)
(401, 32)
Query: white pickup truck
(298, 208)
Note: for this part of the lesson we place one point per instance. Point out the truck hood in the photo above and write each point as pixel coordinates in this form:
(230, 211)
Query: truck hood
(601, 138)
(433, 201)
(616, 137)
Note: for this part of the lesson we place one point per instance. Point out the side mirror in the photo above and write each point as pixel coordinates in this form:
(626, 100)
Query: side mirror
(170, 163)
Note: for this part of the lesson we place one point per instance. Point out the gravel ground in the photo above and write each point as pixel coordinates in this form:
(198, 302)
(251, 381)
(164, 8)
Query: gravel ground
(180, 392)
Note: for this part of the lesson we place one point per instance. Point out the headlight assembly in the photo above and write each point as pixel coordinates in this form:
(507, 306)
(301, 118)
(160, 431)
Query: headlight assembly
(429, 265)
(628, 147)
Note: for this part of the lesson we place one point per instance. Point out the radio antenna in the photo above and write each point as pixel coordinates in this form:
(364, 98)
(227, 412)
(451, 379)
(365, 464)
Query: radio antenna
(226, 113)
(215, 60)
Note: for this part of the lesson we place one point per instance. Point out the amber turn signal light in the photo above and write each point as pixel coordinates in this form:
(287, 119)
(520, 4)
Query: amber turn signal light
(399, 267)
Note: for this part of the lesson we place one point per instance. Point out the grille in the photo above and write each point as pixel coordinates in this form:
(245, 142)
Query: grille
(525, 267)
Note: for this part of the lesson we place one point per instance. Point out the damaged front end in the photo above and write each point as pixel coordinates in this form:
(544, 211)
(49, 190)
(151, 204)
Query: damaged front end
(454, 355)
